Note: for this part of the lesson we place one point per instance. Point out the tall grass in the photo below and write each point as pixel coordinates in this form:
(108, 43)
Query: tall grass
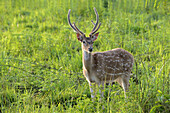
(40, 57)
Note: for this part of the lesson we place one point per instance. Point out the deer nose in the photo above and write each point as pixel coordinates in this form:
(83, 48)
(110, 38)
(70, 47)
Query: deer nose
(90, 49)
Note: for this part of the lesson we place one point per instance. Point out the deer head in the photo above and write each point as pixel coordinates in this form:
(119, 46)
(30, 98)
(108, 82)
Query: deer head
(87, 42)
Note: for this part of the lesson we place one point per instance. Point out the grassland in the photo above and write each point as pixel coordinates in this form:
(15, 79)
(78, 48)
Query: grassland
(40, 57)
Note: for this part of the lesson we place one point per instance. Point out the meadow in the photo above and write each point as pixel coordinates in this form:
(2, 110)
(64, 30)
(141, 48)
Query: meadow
(41, 58)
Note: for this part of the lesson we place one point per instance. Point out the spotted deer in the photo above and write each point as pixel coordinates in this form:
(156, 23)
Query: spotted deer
(103, 67)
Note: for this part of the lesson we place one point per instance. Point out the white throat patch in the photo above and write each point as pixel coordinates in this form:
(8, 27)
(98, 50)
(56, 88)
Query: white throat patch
(86, 55)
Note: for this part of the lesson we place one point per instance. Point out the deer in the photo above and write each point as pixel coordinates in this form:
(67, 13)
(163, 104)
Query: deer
(103, 67)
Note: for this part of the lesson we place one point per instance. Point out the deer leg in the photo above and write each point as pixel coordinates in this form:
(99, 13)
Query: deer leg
(124, 82)
(120, 82)
(91, 91)
(124, 88)
(101, 93)
(101, 90)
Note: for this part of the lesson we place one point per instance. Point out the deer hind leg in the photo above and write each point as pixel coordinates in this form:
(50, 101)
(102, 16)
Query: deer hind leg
(124, 82)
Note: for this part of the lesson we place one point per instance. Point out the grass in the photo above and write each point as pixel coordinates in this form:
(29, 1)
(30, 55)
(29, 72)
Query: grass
(40, 57)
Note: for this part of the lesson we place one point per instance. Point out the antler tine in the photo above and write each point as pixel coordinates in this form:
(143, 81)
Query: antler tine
(80, 32)
(74, 27)
(97, 19)
(69, 22)
(96, 29)
(93, 22)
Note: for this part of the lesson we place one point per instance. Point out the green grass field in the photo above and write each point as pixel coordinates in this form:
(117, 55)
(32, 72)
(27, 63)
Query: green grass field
(41, 59)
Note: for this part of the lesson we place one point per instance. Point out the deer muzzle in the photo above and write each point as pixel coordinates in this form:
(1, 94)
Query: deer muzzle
(90, 49)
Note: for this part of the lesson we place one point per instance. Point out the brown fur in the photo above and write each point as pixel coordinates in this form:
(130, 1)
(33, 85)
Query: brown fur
(103, 67)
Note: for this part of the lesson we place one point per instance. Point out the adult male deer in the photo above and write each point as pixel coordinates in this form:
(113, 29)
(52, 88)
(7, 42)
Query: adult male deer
(103, 67)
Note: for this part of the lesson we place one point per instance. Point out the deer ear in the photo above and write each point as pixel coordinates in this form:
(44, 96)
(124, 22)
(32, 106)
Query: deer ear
(95, 36)
(79, 37)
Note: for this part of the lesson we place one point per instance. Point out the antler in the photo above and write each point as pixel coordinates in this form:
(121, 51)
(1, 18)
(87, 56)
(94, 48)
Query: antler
(95, 24)
(74, 27)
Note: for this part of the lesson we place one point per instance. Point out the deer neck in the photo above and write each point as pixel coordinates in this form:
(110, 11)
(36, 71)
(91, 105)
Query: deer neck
(87, 60)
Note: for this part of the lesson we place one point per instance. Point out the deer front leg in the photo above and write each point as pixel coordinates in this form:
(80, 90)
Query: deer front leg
(91, 91)
(101, 88)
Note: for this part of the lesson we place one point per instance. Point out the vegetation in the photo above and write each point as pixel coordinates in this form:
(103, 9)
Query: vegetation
(41, 59)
